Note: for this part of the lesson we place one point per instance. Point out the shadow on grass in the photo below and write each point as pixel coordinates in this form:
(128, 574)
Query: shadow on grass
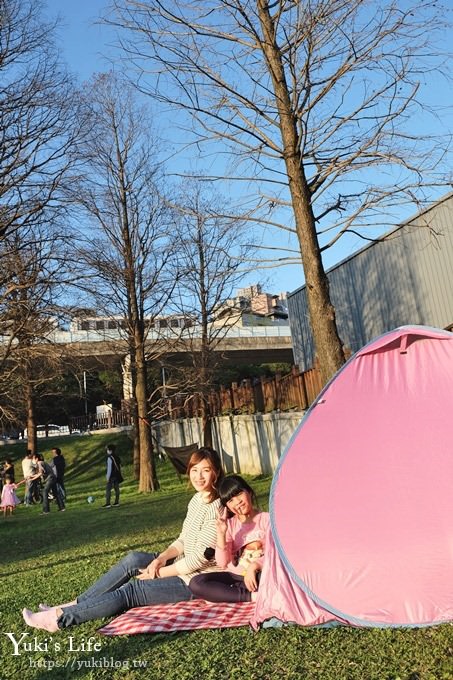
(152, 515)
(70, 560)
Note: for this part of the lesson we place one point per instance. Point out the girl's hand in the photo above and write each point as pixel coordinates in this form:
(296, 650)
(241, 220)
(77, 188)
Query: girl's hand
(221, 522)
(152, 570)
(250, 579)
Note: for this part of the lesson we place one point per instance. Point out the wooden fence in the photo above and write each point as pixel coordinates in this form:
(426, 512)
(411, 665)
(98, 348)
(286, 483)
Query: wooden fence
(297, 390)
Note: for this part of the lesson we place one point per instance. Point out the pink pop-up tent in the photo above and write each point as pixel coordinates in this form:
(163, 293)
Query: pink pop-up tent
(362, 500)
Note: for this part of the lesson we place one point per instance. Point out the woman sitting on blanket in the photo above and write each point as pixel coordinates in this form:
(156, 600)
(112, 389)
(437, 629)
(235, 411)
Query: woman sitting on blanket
(241, 531)
(160, 578)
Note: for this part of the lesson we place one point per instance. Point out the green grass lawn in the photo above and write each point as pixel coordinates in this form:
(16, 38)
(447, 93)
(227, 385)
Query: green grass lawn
(52, 558)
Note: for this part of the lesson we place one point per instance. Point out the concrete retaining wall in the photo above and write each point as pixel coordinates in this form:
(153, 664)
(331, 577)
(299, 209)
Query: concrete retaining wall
(248, 444)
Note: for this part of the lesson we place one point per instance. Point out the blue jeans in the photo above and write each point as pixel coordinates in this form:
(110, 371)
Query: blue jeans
(30, 491)
(28, 497)
(115, 592)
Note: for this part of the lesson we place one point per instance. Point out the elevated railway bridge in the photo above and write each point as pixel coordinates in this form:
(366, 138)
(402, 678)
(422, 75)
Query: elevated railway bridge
(237, 345)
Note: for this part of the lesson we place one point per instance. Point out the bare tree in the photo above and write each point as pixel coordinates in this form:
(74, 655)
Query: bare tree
(127, 245)
(211, 261)
(33, 275)
(39, 118)
(316, 102)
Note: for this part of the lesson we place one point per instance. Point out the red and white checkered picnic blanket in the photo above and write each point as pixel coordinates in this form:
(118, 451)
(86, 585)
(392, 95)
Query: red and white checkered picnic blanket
(190, 615)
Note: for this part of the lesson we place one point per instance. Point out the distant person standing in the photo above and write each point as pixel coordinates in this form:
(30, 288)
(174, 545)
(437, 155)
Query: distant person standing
(28, 470)
(8, 469)
(59, 465)
(113, 476)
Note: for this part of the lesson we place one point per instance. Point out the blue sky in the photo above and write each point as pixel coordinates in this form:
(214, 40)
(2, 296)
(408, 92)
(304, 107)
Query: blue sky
(84, 43)
(86, 47)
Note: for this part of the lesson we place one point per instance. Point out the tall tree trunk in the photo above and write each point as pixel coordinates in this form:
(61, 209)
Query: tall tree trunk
(148, 476)
(136, 443)
(205, 348)
(32, 436)
(133, 407)
(206, 421)
(322, 313)
(206, 416)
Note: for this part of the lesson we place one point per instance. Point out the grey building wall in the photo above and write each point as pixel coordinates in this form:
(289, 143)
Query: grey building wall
(404, 279)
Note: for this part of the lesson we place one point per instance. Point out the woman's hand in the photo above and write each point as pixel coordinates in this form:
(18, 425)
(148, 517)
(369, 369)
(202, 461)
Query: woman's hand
(221, 522)
(152, 570)
(250, 577)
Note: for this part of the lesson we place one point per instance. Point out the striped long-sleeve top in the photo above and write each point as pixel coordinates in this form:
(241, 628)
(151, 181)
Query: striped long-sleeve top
(199, 532)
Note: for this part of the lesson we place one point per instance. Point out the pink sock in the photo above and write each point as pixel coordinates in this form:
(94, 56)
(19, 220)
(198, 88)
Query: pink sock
(45, 620)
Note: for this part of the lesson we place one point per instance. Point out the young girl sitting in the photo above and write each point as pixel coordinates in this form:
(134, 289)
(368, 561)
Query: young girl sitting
(241, 531)
(9, 498)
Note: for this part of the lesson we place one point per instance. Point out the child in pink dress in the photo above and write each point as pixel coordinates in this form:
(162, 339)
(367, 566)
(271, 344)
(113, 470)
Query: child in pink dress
(9, 497)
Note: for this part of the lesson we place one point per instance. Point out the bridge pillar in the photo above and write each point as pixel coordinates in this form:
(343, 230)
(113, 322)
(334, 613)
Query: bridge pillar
(128, 393)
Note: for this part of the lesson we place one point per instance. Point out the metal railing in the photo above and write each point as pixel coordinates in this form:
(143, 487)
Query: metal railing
(93, 421)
